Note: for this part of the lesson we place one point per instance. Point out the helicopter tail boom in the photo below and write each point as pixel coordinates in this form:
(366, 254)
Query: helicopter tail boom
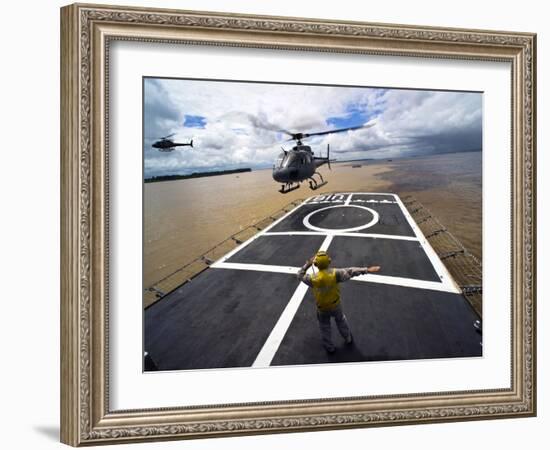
(319, 160)
(181, 144)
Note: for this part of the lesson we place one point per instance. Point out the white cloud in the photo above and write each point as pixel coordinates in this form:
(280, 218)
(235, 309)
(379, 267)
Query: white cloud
(241, 120)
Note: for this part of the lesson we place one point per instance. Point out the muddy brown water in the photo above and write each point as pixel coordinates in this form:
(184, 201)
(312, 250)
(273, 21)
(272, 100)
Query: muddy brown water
(450, 186)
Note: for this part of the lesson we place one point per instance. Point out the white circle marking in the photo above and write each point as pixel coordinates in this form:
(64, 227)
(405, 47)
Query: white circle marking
(374, 220)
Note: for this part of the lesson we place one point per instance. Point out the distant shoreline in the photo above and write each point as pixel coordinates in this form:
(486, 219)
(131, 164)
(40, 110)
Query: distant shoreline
(343, 162)
(195, 175)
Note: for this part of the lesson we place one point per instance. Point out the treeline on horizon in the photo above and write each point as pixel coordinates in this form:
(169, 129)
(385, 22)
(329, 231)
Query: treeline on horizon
(195, 175)
(406, 156)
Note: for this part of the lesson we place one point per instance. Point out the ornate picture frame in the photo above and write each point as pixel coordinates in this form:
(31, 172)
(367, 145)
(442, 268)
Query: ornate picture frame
(87, 32)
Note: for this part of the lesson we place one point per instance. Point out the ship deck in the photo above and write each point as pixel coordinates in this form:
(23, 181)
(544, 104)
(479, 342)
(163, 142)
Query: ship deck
(248, 309)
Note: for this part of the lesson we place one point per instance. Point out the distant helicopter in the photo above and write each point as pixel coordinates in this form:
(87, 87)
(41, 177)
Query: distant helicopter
(165, 144)
(300, 164)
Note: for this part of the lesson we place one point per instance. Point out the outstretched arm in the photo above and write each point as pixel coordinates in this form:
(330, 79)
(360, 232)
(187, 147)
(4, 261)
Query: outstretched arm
(350, 272)
(302, 275)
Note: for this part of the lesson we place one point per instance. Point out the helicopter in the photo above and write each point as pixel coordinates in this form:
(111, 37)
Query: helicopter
(300, 164)
(165, 144)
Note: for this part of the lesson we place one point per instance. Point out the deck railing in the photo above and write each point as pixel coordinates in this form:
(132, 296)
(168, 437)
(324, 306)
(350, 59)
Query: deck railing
(464, 267)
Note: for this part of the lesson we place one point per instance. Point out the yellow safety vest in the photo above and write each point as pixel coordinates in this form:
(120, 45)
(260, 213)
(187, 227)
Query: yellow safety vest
(325, 289)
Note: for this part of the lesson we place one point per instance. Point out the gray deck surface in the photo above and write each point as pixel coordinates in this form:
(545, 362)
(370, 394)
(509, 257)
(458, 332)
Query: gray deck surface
(227, 315)
(220, 319)
(387, 253)
(279, 250)
(387, 323)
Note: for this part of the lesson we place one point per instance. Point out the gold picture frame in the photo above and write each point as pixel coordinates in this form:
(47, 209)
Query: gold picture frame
(86, 33)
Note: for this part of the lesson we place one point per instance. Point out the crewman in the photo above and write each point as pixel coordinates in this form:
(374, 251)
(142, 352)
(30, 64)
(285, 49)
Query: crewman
(327, 295)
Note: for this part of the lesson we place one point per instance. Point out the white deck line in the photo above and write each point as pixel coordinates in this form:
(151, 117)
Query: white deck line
(437, 264)
(321, 233)
(326, 243)
(391, 194)
(348, 200)
(405, 282)
(370, 278)
(256, 267)
(273, 342)
(374, 221)
(326, 202)
(380, 202)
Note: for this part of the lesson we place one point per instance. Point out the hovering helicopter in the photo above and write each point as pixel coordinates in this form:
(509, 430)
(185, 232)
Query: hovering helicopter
(300, 164)
(165, 144)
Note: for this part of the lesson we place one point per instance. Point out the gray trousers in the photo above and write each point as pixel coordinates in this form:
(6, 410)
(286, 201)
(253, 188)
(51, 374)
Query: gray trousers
(324, 325)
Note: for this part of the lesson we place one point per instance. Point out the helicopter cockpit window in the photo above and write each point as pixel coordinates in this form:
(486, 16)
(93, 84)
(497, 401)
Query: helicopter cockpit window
(279, 162)
(291, 160)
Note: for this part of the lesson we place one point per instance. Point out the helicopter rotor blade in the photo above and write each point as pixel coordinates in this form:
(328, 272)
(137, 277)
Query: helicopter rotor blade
(169, 136)
(339, 130)
(256, 122)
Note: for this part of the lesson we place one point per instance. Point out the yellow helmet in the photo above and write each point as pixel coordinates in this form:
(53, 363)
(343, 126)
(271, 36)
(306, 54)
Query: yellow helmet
(322, 260)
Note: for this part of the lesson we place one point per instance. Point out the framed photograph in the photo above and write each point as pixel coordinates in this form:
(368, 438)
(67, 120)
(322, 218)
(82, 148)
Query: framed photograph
(276, 224)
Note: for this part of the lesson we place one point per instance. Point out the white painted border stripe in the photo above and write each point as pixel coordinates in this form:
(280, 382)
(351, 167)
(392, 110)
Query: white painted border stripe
(405, 282)
(326, 243)
(348, 200)
(320, 233)
(327, 202)
(378, 202)
(391, 194)
(374, 221)
(255, 267)
(437, 264)
(370, 278)
(273, 342)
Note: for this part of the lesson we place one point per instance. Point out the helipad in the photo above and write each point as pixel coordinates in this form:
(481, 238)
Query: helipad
(249, 310)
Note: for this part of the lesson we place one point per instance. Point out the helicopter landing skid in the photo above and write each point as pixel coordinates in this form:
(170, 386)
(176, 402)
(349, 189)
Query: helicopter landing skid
(289, 187)
(314, 184)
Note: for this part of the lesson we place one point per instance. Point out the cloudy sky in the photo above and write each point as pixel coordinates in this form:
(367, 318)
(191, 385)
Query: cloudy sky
(237, 124)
